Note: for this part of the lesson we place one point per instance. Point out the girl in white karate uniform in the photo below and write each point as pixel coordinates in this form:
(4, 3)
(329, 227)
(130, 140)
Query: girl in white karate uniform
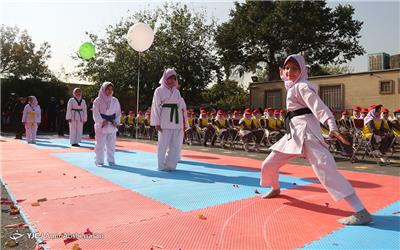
(76, 116)
(167, 117)
(303, 138)
(31, 118)
(106, 115)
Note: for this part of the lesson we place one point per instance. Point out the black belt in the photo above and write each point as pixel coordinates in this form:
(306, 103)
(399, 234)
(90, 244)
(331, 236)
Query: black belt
(289, 115)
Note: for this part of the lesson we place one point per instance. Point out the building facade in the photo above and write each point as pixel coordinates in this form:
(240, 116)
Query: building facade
(378, 61)
(395, 61)
(339, 92)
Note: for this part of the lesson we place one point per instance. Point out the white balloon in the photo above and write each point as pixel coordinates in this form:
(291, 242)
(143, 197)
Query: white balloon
(140, 37)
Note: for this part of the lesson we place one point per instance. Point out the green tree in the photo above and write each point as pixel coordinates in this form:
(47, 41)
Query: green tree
(318, 70)
(227, 94)
(19, 56)
(183, 40)
(265, 32)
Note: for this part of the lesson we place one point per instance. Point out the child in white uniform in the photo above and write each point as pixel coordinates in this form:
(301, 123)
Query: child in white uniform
(76, 116)
(31, 118)
(303, 138)
(106, 115)
(167, 117)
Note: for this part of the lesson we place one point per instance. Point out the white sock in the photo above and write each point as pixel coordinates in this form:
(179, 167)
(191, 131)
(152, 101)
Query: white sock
(355, 202)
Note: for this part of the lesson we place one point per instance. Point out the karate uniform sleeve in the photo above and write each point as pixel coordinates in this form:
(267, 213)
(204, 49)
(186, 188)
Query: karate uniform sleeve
(155, 118)
(117, 111)
(38, 117)
(25, 113)
(184, 110)
(69, 109)
(96, 112)
(84, 115)
(315, 104)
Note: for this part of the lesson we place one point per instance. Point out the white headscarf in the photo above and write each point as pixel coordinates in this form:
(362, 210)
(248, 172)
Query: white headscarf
(104, 100)
(167, 74)
(74, 94)
(303, 71)
(34, 103)
(370, 116)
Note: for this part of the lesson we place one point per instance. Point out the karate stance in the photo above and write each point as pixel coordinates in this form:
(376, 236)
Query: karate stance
(31, 118)
(106, 115)
(167, 118)
(303, 138)
(76, 116)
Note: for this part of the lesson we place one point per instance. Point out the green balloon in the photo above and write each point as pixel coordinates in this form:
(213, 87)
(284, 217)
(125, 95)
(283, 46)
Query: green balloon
(87, 50)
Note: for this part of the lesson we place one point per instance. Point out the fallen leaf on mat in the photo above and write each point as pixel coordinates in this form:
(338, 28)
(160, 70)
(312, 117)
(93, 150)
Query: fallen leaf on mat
(42, 200)
(69, 240)
(76, 247)
(88, 232)
(35, 204)
(201, 217)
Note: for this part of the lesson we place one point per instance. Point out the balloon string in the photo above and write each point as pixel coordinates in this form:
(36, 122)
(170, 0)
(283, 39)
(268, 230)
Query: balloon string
(137, 99)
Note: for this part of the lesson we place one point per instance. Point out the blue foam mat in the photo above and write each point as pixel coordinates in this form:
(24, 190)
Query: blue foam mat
(193, 186)
(383, 233)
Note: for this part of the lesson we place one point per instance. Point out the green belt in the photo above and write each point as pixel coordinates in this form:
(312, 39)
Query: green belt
(174, 109)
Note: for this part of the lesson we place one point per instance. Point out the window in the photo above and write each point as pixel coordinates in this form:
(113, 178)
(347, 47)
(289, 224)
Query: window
(273, 99)
(332, 96)
(386, 87)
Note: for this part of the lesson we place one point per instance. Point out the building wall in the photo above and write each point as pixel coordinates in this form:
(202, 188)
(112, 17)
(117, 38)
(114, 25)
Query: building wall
(395, 61)
(362, 89)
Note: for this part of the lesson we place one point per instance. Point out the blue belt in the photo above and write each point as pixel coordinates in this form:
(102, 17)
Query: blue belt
(109, 118)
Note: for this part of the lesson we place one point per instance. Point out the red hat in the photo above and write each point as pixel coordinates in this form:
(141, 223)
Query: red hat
(277, 112)
(345, 112)
(270, 109)
(364, 110)
(357, 108)
(373, 106)
(204, 112)
(220, 112)
(247, 112)
(385, 110)
(256, 111)
(131, 112)
(396, 111)
(283, 111)
(140, 112)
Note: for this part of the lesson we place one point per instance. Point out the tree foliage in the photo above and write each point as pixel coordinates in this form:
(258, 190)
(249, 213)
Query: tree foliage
(265, 32)
(19, 56)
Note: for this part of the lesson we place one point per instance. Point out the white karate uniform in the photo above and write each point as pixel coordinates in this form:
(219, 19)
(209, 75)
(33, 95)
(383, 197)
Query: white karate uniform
(307, 141)
(106, 136)
(170, 139)
(78, 116)
(31, 117)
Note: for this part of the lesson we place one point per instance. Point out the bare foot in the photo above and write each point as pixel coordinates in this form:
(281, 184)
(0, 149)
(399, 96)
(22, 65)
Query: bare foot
(271, 194)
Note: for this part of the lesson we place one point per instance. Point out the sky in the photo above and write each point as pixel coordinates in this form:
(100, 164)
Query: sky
(63, 24)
